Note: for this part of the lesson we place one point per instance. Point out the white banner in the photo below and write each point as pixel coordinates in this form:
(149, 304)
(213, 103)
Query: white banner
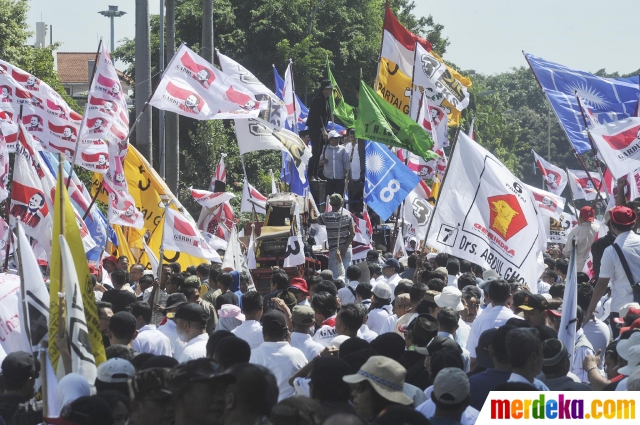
(210, 199)
(487, 216)
(618, 144)
(182, 235)
(582, 186)
(547, 203)
(554, 177)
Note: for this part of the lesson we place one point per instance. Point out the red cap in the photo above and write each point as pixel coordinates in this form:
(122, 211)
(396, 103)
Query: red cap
(587, 213)
(112, 259)
(300, 284)
(556, 313)
(92, 270)
(623, 216)
(631, 312)
(43, 263)
(634, 325)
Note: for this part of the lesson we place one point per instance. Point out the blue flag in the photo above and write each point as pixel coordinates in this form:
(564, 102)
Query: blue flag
(302, 113)
(608, 99)
(387, 180)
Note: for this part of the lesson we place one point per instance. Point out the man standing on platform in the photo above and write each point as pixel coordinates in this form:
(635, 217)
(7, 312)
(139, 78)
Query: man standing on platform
(335, 160)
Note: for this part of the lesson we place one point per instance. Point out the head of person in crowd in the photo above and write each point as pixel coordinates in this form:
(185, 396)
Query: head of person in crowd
(213, 278)
(557, 290)
(442, 351)
(140, 359)
(312, 284)
(363, 291)
(353, 273)
(191, 321)
(327, 286)
(198, 392)
(498, 348)
(105, 313)
(500, 292)
(380, 296)
(556, 361)
(298, 410)
(612, 361)
(110, 264)
(326, 274)
(403, 287)
(150, 394)
(466, 279)
(436, 284)
(375, 269)
(175, 267)
(122, 328)
(451, 393)
(525, 352)
(416, 294)
(420, 332)
(401, 305)
(324, 305)
(534, 308)
(350, 319)
(412, 261)
(142, 313)
(119, 351)
(450, 297)
(326, 380)
(302, 318)
(145, 282)
(203, 270)
(471, 296)
(373, 256)
(114, 375)
(442, 259)
(88, 410)
(19, 373)
(274, 326)
(174, 283)
(230, 351)
(562, 266)
(299, 288)
(390, 345)
(453, 266)
(252, 305)
(252, 396)
(550, 276)
(289, 298)
(119, 405)
(123, 263)
(622, 219)
(377, 385)
(137, 271)
(118, 278)
(71, 387)
(448, 319)
(214, 340)
(428, 304)
(225, 280)
(390, 267)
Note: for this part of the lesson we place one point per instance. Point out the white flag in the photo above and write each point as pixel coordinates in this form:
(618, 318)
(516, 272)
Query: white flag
(554, 177)
(567, 331)
(122, 208)
(257, 135)
(434, 119)
(153, 260)
(274, 189)
(182, 235)
(289, 98)
(417, 212)
(233, 253)
(547, 203)
(82, 360)
(34, 296)
(582, 186)
(251, 198)
(487, 216)
(210, 199)
(251, 250)
(618, 144)
(295, 245)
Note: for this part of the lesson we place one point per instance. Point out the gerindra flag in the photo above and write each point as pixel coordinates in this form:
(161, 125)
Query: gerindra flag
(339, 107)
(584, 187)
(548, 204)
(387, 180)
(619, 145)
(380, 122)
(251, 199)
(180, 234)
(554, 177)
(487, 216)
(210, 199)
(608, 99)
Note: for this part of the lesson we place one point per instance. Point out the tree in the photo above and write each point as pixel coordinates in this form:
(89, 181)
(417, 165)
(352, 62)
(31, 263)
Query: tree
(14, 30)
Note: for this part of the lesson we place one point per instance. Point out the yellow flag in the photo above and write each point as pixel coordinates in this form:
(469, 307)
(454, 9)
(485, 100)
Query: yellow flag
(64, 223)
(435, 188)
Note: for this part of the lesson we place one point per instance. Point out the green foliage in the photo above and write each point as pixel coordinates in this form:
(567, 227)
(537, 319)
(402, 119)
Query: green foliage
(14, 30)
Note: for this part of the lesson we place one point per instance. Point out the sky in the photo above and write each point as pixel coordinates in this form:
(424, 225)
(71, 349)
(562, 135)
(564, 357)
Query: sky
(487, 36)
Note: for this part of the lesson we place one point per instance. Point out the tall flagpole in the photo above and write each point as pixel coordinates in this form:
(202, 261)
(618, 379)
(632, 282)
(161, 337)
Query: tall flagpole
(154, 291)
(23, 290)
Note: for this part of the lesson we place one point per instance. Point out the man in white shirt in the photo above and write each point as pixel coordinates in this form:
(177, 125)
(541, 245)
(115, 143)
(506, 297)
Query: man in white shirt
(380, 308)
(191, 327)
(363, 294)
(303, 318)
(169, 327)
(375, 271)
(251, 330)
(451, 297)
(622, 221)
(583, 234)
(453, 271)
(325, 307)
(277, 354)
(347, 295)
(390, 272)
(149, 339)
(500, 313)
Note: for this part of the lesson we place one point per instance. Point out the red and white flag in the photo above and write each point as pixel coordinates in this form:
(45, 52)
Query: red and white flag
(618, 144)
(4, 167)
(182, 235)
(434, 119)
(251, 198)
(122, 208)
(289, 98)
(554, 177)
(210, 199)
(219, 176)
(583, 187)
(548, 204)
(631, 189)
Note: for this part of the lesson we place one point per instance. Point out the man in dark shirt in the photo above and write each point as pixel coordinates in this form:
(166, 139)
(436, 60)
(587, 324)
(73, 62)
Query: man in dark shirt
(19, 372)
(118, 297)
(319, 111)
(279, 282)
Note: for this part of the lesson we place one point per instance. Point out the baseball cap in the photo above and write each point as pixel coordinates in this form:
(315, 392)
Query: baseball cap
(451, 387)
(88, 410)
(482, 351)
(111, 259)
(634, 325)
(115, 371)
(623, 216)
(335, 199)
(153, 383)
(450, 297)
(299, 284)
(587, 213)
(386, 376)
(382, 291)
(302, 315)
(203, 369)
(392, 262)
(334, 134)
(629, 309)
(191, 312)
(274, 321)
(92, 270)
(534, 302)
(175, 301)
(19, 364)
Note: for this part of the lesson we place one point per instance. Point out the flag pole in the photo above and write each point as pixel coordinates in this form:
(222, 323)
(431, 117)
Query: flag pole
(154, 291)
(61, 294)
(381, 44)
(23, 291)
(84, 118)
(42, 358)
(435, 207)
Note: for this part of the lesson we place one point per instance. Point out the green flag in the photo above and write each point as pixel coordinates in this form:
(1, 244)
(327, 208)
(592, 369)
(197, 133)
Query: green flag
(338, 106)
(379, 121)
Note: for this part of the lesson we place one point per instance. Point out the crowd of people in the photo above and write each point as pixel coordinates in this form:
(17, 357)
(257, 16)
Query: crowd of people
(409, 343)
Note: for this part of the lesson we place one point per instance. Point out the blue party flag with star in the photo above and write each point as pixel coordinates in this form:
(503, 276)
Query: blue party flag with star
(608, 99)
(387, 180)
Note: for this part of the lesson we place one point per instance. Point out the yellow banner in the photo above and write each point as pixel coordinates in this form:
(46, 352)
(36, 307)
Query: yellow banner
(63, 211)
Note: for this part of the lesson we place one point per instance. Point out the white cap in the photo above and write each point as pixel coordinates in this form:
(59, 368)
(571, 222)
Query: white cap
(115, 371)
(334, 134)
(450, 297)
(625, 308)
(382, 291)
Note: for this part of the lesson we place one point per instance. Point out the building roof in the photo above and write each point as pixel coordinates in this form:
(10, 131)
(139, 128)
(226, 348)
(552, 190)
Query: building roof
(73, 67)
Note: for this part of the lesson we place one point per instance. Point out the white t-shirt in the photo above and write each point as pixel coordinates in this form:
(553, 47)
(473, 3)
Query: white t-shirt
(611, 267)
(428, 409)
(598, 334)
(283, 361)
(306, 344)
(169, 330)
(489, 319)
(195, 349)
(250, 331)
(377, 319)
(151, 340)
(345, 295)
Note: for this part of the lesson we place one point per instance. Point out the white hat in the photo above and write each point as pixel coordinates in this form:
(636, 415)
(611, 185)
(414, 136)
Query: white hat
(431, 255)
(450, 297)
(633, 361)
(383, 291)
(334, 134)
(624, 345)
(487, 274)
(337, 341)
(386, 376)
(115, 371)
(625, 308)
(451, 386)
